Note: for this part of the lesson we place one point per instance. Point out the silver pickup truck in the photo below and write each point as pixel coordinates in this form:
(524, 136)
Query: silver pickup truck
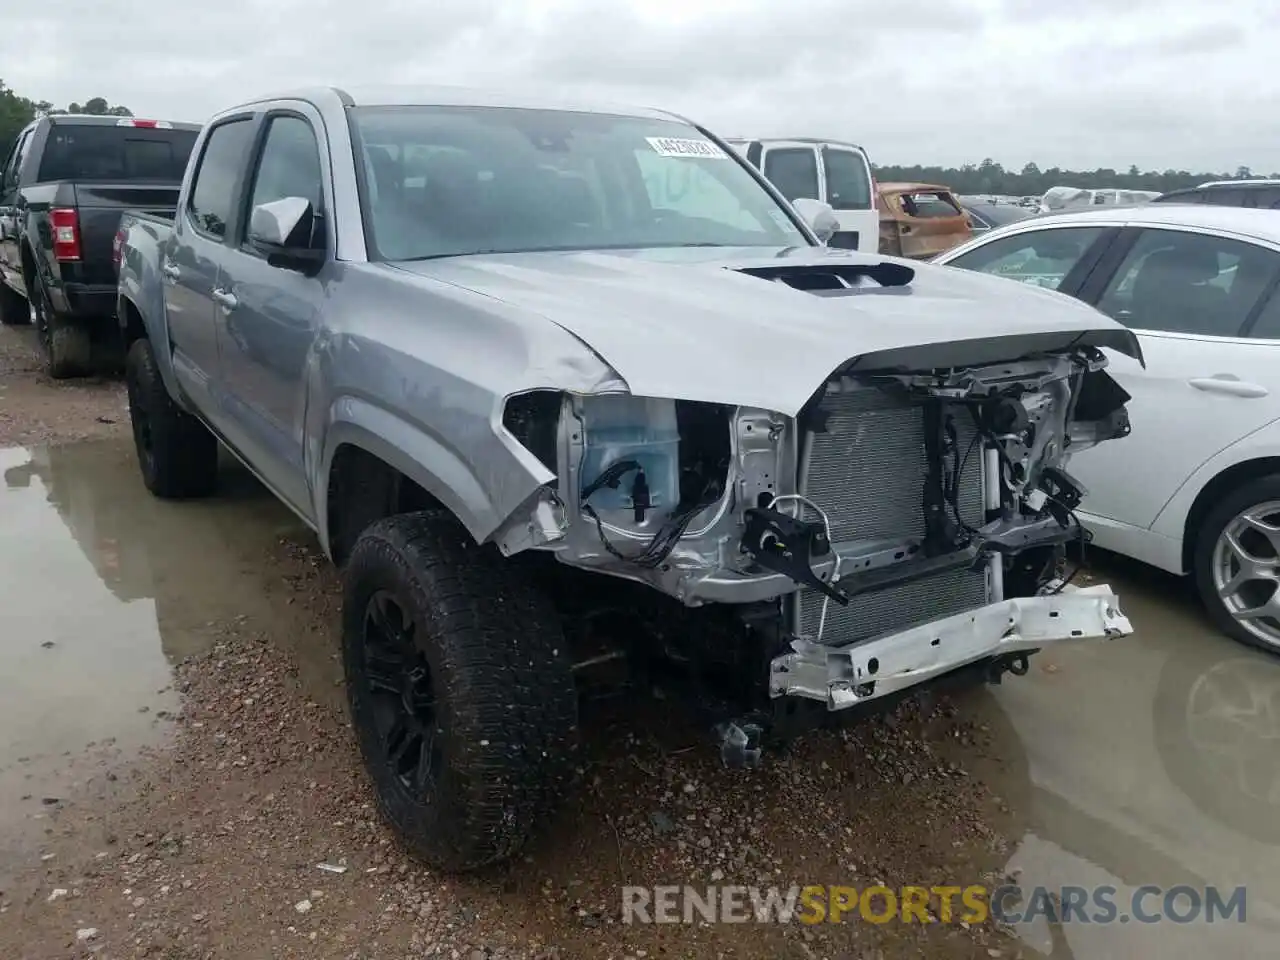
(486, 347)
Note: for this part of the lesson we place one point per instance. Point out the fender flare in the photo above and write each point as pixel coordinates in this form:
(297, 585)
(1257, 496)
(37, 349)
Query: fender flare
(412, 451)
(158, 334)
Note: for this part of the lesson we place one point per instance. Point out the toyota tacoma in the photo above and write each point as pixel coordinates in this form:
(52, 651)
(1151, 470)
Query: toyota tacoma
(471, 340)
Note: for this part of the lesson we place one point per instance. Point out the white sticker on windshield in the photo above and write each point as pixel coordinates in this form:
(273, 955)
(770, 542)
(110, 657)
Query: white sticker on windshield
(675, 147)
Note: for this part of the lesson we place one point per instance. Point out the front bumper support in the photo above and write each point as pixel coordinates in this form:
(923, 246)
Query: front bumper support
(858, 672)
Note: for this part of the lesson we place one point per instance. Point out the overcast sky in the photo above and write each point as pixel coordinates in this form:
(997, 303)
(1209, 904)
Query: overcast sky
(1187, 84)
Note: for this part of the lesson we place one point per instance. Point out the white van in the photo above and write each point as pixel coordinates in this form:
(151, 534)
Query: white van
(828, 170)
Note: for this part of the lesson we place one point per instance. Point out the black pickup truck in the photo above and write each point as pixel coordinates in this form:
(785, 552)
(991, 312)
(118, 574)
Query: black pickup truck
(65, 183)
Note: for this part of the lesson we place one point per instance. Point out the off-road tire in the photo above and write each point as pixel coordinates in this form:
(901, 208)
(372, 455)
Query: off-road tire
(1253, 493)
(68, 351)
(505, 702)
(176, 452)
(15, 311)
(65, 344)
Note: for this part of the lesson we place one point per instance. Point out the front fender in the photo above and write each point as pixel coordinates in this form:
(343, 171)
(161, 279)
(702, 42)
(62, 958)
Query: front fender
(428, 462)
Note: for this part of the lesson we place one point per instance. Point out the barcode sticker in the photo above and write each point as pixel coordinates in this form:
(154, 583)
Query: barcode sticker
(676, 147)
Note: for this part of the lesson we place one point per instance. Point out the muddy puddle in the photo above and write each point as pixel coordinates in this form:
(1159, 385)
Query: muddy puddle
(1151, 761)
(104, 589)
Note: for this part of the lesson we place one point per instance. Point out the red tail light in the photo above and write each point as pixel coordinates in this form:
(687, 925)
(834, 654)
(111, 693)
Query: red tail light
(117, 247)
(146, 124)
(66, 234)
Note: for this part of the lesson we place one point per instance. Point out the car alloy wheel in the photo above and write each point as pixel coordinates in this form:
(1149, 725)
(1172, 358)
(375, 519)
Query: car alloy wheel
(403, 695)
(1246, 571)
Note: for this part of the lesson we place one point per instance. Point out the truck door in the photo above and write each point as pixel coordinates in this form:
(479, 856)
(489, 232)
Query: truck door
(191, 259)
(847, 178)
(793, 169)
(10, 255)
(268, 315)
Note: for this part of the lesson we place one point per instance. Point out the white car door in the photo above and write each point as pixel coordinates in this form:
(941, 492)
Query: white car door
(1193, 298)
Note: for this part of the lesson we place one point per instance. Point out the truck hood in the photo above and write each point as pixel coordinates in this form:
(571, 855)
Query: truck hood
(689, 324)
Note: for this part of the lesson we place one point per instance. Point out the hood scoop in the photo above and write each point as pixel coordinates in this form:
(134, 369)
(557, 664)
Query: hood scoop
(833, 279)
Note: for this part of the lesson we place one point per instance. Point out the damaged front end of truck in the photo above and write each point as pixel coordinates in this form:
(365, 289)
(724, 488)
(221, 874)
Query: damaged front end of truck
(906, 523)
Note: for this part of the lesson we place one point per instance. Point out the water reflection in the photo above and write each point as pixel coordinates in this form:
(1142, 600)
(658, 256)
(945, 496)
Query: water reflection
(104, 588)
(1154, 760)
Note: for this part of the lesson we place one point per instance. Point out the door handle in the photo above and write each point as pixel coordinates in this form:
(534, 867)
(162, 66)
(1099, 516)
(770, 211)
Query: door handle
(225, 299)
(1230, 386)
(170, 270)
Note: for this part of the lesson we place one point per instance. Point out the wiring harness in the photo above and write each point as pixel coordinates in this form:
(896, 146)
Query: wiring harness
(659, 547)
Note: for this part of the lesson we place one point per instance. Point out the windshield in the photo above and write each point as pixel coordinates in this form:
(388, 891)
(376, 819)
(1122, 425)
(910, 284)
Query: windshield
(449, 181)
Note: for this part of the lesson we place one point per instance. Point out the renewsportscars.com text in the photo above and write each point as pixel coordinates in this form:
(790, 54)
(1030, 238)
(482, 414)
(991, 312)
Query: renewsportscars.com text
(974, 904)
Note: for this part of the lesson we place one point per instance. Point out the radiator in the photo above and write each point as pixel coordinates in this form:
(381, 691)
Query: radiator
(867, 471)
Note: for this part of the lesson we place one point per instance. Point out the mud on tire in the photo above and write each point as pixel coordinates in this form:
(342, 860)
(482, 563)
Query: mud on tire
(494, 702)
(68, 351)
(176, 452)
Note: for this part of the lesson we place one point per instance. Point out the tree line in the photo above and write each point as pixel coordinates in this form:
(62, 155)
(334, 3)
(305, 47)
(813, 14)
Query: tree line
(989, 177)
(16, 111)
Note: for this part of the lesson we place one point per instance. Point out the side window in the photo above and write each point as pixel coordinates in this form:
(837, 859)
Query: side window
(213, 192)
(684, 187)
(1228, 197)
(1269, 199)
(14, 163)
(794, 171)
(1188, 283)
(289, 165)
(1042, 258)
(848, 182)
(1267, 325)
(926, 205)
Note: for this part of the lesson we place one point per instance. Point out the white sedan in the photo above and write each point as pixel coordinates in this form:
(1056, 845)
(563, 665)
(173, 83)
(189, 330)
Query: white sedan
(1195, 489)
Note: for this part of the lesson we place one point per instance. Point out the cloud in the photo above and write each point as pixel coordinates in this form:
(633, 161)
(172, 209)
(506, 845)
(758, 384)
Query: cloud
(1179, 83)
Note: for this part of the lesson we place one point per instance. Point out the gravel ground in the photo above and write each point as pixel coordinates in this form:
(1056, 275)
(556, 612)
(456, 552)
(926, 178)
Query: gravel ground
(212, 846)
(35, 409)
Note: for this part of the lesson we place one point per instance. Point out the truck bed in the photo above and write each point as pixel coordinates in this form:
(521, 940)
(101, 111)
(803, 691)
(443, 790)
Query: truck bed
(100, 206)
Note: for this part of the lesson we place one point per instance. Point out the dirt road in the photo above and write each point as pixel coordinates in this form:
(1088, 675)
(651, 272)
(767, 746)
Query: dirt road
(177, 778)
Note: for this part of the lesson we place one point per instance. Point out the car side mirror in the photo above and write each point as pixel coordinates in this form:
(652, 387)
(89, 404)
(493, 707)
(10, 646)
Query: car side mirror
(819, 216)
(285, 231)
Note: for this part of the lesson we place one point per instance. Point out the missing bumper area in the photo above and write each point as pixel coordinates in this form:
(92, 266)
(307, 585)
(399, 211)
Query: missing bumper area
(847, 675)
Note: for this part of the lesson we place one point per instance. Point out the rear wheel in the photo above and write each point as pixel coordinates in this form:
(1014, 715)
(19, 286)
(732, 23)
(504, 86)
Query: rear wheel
(460, 687)
(177, 453)
(65, 344)
(14, 309)
(1237, 563)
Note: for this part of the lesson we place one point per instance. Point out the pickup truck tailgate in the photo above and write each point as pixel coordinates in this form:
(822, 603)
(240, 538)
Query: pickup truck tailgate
(99, 206)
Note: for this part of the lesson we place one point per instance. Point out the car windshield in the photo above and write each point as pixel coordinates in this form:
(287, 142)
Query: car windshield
(451, 181)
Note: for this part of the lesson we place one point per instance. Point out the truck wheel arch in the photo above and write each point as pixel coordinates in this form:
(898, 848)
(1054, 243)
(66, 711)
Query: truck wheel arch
(133, 327)
(366, 436)
(130, 319)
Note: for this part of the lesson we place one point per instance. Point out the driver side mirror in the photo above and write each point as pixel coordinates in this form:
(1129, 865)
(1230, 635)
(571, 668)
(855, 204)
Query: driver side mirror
(819, 216)
(285, 230)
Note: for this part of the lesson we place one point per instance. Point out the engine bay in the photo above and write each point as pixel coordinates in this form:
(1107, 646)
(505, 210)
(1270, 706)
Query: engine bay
(714, 504)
